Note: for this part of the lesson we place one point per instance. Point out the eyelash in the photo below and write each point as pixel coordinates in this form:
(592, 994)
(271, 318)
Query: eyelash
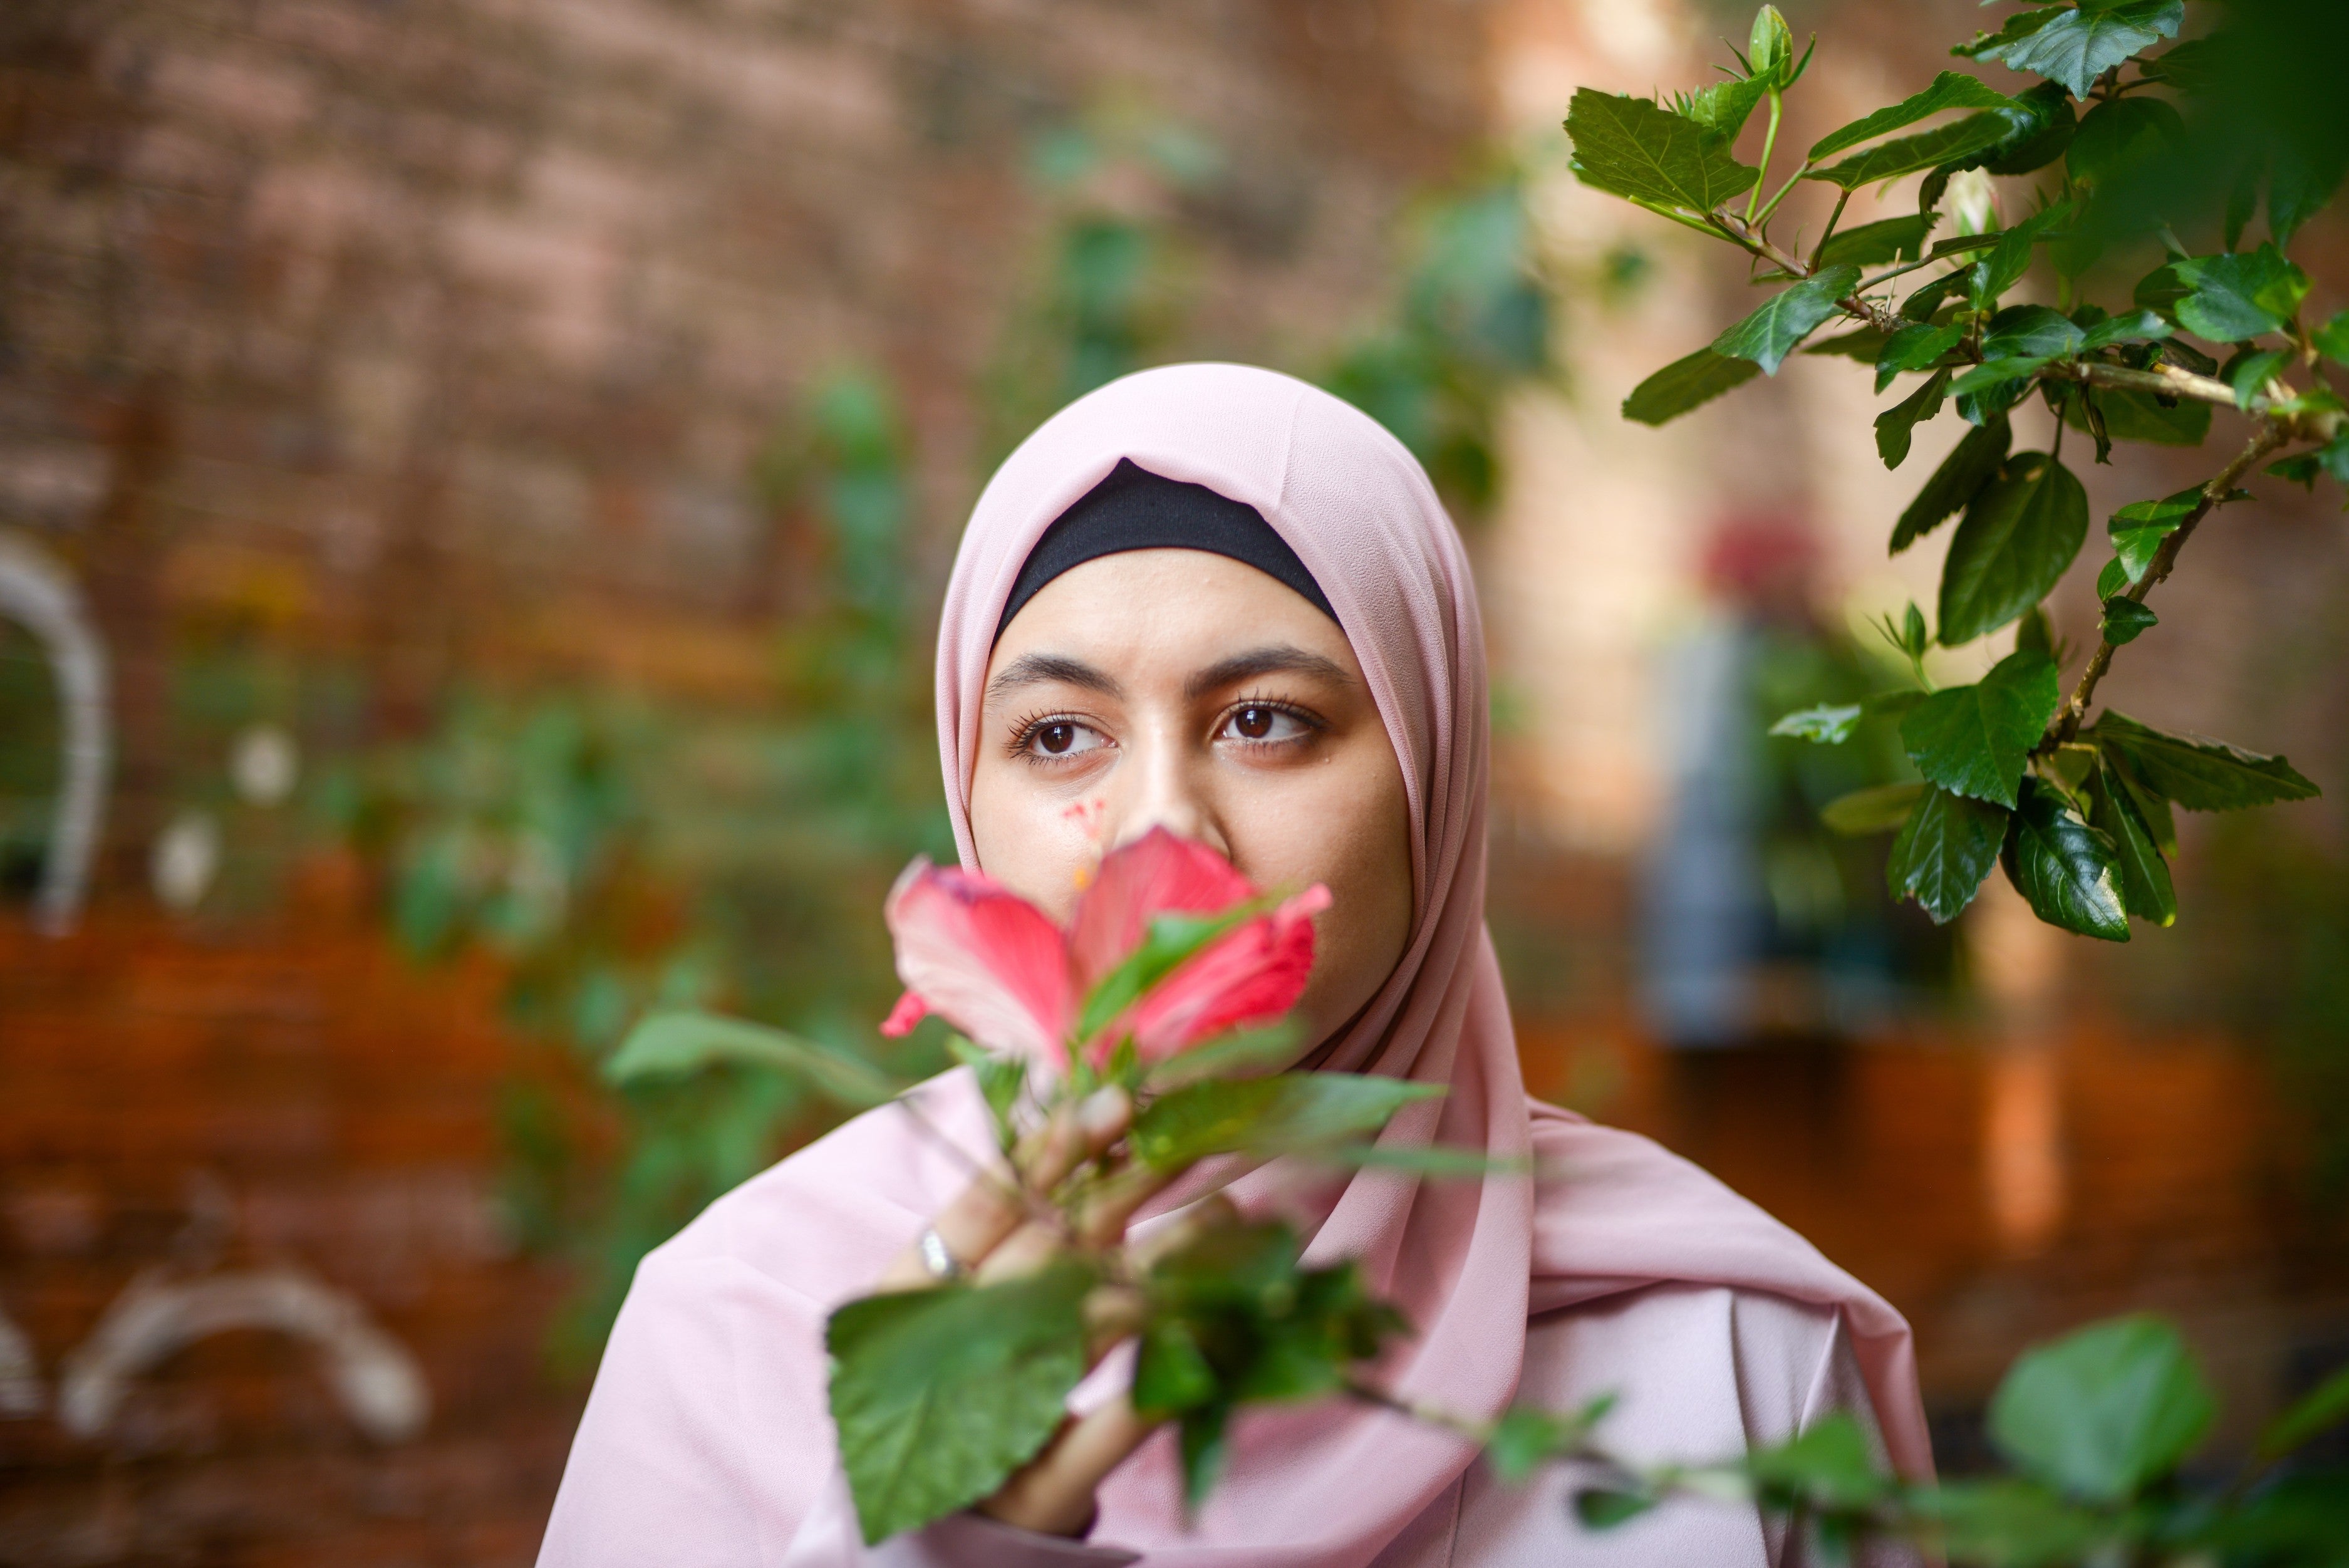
(1024, 732)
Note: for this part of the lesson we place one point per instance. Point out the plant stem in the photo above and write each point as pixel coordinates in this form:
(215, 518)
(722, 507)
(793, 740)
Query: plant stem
(2271, 435)
(1833, 219)
(1769, 141)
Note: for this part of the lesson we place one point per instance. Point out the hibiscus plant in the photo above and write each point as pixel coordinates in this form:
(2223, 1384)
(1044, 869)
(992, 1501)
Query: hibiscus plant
(2127, 142)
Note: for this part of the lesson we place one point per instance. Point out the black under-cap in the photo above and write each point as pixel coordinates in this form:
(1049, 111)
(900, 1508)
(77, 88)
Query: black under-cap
(1135, 509)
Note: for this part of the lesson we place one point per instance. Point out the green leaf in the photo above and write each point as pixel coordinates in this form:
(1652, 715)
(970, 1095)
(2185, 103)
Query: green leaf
(1944, 850)
(2031, 329)
(1524, 1438)
(2076, 48)
(1879, 809)
(2016, 539)
(1630, 147)
(1828, 1468)
(1927, 302)
(1919, 346)
(1829, 724)
(2139, 529)
(1601, 1509)
(1171, 940)
(1442, 1160)
(1950, 90)
(1872, 244)
(1970, 466)
(2332, 340)
(2132, 415)
(1770, 334)
(2134, 326)
(1000, 1079)
(2126, 618)
(2309, 1417)
(2016, 1524)
(1905, 155)
(1723, 108)
(2300, 469)
(2068, 871)
(2145, 888)
(1862, 344)
(1171, 1374)
(2010, 257)
(1997, 375)
(2197, 774)
(1895, 426)
(1975, 740)
(2248, 373)
(2045, 127)
(2111, 579)
(2239, 295)
(2304, 180)
(1684, 384)
(2121, 135)
(1239, 1055)
(676, 1043)
(1203, 1451)
(1283, 1114)
(939, 1394)
(2104, 1411)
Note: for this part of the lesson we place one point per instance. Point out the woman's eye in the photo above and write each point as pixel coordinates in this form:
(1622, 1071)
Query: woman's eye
(1063, 738)
(1262, 721)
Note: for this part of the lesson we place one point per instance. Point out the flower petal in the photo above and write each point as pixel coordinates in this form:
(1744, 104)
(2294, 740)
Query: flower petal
(1254, 973)
(910, 1009)
(984, 959)
(1155, 873)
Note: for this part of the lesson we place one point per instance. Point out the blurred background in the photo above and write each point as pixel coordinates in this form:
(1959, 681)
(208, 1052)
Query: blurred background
(475, 484)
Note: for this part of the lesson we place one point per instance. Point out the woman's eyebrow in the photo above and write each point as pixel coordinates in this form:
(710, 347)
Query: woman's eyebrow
(1044, 669)
(1281, 659)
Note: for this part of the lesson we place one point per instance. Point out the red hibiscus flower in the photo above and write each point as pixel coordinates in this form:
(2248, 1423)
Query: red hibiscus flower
(997, 968)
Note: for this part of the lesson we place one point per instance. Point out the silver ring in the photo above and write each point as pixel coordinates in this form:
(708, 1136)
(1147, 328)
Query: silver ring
(937, 1257)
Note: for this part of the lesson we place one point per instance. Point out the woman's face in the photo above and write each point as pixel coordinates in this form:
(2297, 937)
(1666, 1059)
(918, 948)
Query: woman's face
(1182, 689)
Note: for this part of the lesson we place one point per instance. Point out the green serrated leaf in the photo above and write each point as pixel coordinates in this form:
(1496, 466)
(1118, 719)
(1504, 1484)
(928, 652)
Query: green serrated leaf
(1770, 334)
(2068, 871)
(2016, 27)
(676, 1043)
(1684, 384)
(1975, 740)
(2132, 415)
(1916, 347)
(1632, 147)
(2043, 132)
(1895, 426)
(2008, 260)
(2147, 891)
(1829, 724)
(939, 1394)
(2077, 46)
(2132, 327)
(2249, 374)
(2105, 1411)
(1950, 90)
(1995, 376)
(1944, 850)
(1971, 465)
(1879, 809)
(1976, 133)
(1001, 1080)
(2332, 340)
(2239, 295)
(1278, 1115)
(2121, 135)
(2199, 774)
(1170, 941)
(1873, 245)
(2139, 529)
(2031, 329)
(2016, 539)
(1861, 344)
(2124, 619)
(1927, 302)
(1723, 108)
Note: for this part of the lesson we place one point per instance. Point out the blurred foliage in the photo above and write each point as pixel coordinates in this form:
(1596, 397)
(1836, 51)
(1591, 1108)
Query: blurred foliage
(617, 856)
(29, 763)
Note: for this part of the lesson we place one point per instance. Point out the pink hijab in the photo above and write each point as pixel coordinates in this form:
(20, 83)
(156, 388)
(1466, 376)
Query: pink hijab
(705, 1439)
(1467, 1261)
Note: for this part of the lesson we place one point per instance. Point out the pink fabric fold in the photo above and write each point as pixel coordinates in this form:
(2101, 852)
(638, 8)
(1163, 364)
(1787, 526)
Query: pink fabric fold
(1331, 1485)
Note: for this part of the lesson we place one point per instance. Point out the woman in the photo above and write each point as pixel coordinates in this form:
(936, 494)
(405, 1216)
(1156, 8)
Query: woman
(1213, 599)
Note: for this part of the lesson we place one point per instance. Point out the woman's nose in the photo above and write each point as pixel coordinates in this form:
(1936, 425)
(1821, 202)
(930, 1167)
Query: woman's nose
(1165, 789)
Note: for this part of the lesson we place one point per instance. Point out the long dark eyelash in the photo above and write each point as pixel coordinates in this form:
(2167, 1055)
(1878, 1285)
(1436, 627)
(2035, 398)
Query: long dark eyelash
(1305, 716)
(1024, 732)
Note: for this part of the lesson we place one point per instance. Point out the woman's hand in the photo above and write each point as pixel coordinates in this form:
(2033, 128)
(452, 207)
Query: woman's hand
(998, 1232)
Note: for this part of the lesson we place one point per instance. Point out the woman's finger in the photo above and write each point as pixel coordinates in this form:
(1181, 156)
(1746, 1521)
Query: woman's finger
(1054, 1494)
